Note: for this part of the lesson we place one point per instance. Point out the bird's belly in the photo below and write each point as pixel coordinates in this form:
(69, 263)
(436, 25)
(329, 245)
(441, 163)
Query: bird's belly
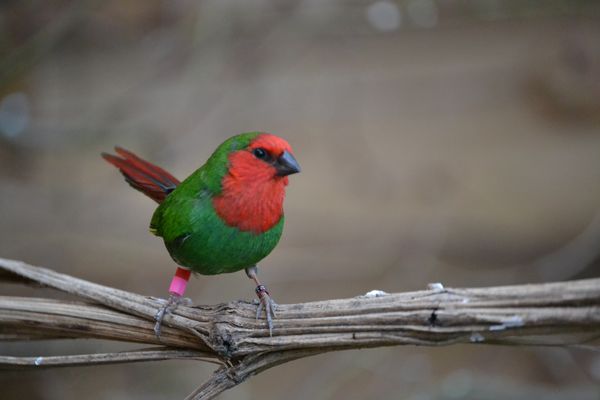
(222, 250)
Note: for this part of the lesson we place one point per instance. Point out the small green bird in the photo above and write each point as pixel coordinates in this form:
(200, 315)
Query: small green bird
(225, 217)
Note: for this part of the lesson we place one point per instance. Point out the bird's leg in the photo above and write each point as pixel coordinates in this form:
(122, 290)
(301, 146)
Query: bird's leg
(176, 291)
(265, 301)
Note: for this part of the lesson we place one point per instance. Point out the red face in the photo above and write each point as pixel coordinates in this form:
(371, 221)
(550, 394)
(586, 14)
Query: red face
(273, 154)
(254, 188)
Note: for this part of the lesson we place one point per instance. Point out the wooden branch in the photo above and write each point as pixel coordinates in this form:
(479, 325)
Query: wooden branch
(566, 313)
(157, 354)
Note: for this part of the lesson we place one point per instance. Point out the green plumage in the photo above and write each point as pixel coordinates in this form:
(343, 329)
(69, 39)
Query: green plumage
(196, 237)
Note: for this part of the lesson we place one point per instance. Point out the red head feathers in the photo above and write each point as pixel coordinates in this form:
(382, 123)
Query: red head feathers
(254, 187)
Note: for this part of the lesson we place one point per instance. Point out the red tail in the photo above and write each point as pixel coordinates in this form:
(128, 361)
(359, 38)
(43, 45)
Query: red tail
(149, 179)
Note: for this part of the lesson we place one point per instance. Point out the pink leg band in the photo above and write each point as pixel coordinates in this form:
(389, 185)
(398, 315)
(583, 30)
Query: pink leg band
(179, 282)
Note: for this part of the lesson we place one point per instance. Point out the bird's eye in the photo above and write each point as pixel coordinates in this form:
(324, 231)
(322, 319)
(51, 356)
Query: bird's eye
(260, 153)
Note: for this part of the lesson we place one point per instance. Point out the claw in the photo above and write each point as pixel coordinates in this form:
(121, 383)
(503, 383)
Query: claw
(268, 312)
(186, 301)
(169, 306)
(158, 318)
(259, 309)
(160, 314)
(267, 304)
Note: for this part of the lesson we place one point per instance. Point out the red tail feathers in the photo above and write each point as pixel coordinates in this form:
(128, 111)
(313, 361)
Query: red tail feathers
(149, 179)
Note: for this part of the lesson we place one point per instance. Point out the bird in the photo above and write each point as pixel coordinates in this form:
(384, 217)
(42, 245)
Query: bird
(225, 217)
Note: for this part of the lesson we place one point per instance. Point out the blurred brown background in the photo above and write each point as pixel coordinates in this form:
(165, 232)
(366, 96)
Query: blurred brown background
(440, 140)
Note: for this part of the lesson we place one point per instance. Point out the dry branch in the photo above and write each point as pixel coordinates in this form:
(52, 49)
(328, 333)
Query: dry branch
(156, 354)
(566, 313)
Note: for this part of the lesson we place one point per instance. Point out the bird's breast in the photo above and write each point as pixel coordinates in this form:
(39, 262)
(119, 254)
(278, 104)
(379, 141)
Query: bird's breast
(251, 206)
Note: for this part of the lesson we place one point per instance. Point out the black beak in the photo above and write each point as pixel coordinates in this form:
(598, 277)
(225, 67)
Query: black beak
(286, 164)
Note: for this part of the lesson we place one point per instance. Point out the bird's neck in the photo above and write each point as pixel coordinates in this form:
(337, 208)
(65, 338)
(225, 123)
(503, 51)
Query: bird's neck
(251, 200)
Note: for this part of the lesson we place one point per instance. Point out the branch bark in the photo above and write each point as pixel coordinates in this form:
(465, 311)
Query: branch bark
(560, 314)
(154, 354)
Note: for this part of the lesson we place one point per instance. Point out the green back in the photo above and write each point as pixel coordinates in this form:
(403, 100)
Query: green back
(195, 235)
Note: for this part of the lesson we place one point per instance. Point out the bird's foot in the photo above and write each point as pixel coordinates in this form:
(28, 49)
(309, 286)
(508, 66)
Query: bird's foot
(170, 305)
(267, 304)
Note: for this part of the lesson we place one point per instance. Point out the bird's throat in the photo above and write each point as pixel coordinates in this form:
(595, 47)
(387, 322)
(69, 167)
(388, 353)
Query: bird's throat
(251, 200)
